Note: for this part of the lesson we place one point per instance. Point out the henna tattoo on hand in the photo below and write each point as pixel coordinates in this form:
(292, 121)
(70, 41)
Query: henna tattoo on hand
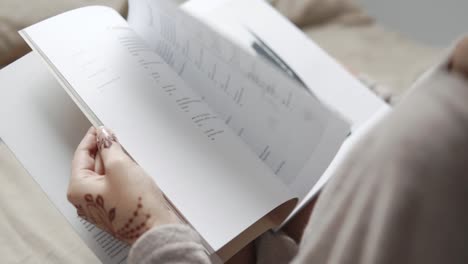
(95, 212)
(135, 225)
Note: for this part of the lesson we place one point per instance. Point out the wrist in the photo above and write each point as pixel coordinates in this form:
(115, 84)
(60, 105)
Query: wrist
(163, 219)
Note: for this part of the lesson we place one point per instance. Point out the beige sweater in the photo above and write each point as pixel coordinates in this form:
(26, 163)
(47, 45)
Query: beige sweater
(399, 198)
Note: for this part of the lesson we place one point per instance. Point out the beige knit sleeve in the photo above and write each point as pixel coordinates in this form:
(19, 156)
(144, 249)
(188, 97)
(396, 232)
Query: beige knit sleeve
(169, 244)
(275, 248)
(180, 244)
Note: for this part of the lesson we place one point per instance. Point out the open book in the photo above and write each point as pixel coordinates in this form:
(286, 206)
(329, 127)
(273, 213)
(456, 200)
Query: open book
(233, 142)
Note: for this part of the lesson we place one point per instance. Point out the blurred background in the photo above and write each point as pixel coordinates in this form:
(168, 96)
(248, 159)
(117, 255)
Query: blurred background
(434, 22)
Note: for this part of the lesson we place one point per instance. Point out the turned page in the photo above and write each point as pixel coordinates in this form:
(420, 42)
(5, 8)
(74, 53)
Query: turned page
(217, 183)
(288, 128)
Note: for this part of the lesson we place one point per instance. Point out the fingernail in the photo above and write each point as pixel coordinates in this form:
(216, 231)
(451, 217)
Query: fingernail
(105, 138)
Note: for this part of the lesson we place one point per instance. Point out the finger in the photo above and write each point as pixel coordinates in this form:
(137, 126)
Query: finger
(76, 192)
(460, 57)
(98, 165)
(110, 150)
(84, 158)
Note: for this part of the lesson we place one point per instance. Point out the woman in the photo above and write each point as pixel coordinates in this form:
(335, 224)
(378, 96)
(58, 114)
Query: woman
(399, 198)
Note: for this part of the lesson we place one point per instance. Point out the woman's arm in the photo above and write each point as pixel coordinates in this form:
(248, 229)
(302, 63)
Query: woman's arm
(111, 191)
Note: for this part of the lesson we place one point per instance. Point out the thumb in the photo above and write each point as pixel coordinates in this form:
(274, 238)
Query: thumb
(460, 57)
(111, 152)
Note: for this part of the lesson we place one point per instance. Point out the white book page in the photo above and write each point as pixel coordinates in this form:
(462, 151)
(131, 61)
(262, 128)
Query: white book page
(42, 126)
(205, 170)
(322, 74)
(284, 125)
(317, 70)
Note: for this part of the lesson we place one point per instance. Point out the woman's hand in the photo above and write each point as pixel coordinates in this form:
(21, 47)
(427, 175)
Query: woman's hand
(111, 191)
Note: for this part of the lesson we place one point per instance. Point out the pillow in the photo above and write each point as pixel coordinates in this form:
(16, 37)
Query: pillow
(313, 12)
(16, 15)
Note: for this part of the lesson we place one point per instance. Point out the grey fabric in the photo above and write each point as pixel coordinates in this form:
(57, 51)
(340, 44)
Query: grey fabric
(275, 248)
(399, 198)
(169, 244)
